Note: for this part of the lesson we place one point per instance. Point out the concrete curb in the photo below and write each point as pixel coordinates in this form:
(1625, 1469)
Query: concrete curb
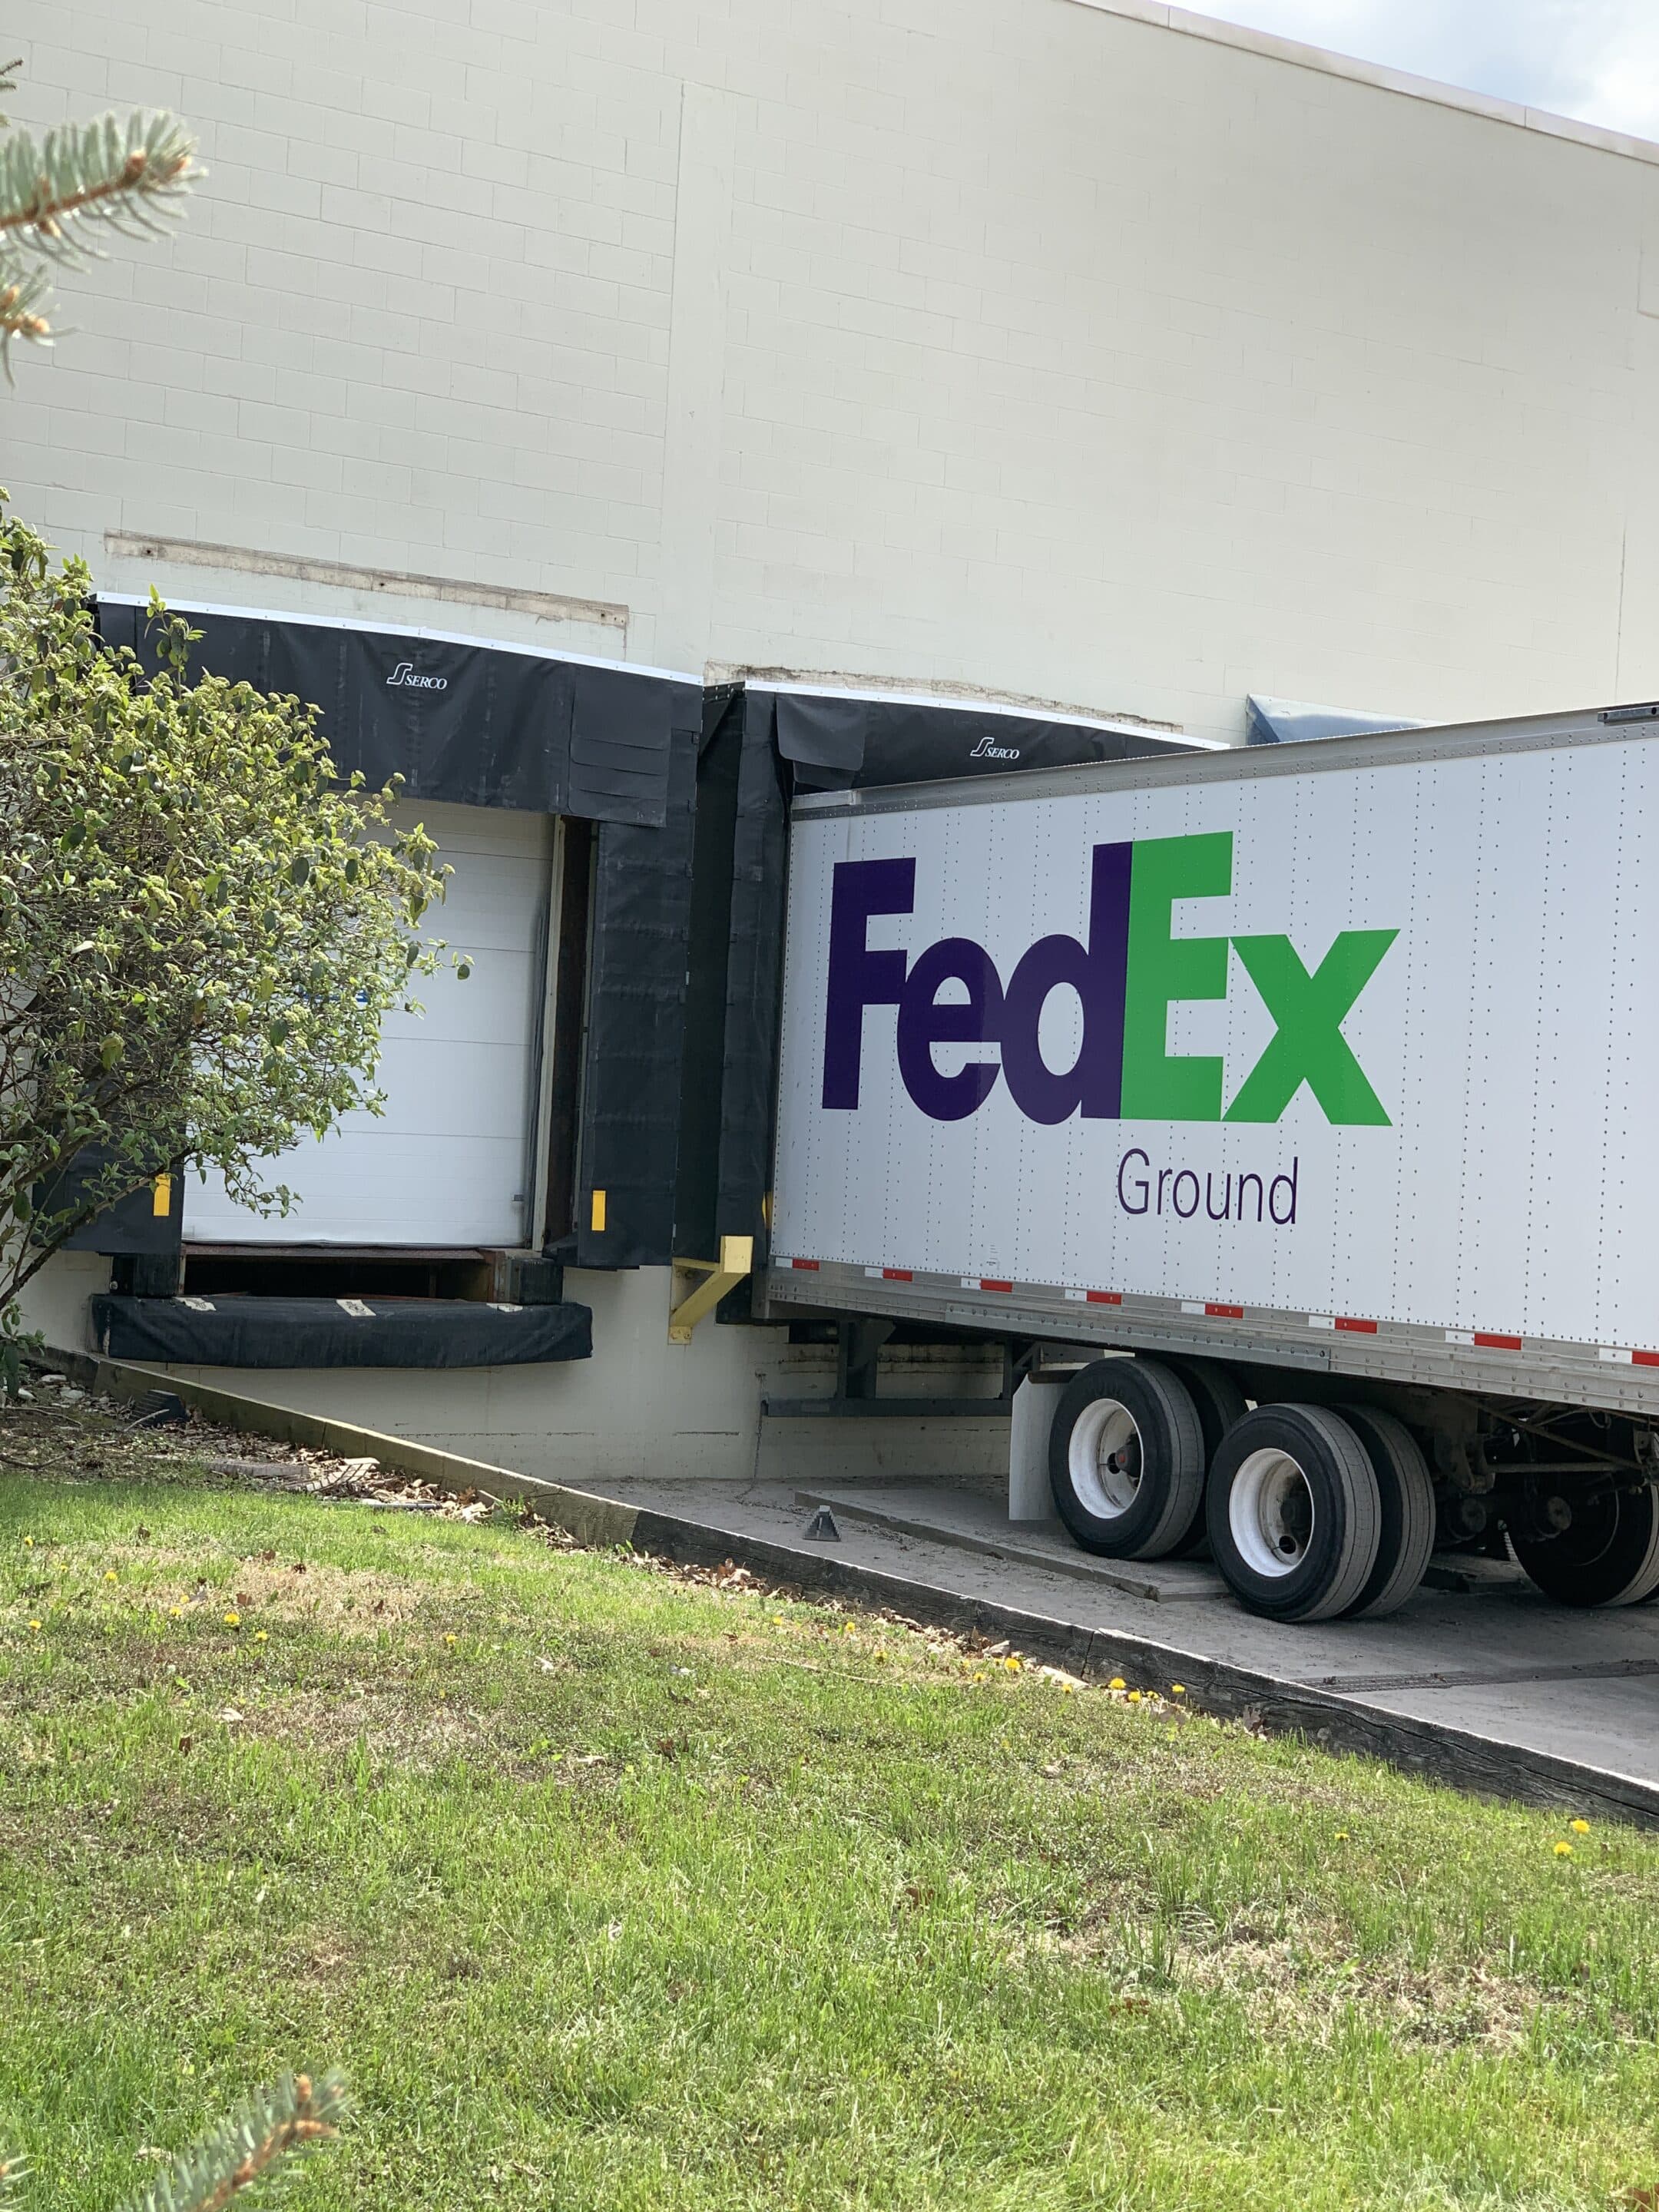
(1455, 1757)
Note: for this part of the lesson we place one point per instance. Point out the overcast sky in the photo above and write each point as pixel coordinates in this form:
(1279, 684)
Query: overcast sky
(1598, 59)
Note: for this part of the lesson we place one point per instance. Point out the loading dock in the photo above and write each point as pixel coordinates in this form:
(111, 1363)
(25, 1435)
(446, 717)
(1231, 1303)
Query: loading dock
(453, 1161)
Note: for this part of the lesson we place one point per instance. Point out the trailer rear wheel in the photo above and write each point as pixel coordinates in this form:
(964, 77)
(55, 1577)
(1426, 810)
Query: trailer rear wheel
(1609, 1554)
(1126, 1459)
(1294, 1513)
(1406, 1493)
(1221, 1403)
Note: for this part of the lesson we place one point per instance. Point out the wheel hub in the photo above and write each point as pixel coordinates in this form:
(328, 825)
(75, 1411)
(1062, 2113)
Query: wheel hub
(1104, 1459)
(1270, 1513)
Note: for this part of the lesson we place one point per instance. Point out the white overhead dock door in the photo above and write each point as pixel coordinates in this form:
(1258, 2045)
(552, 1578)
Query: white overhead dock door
(451, 1161)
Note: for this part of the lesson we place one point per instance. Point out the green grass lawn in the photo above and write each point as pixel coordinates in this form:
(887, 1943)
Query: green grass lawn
(608, 1891)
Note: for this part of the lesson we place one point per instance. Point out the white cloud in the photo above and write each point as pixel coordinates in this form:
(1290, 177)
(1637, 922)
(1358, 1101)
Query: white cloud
(1596, 59)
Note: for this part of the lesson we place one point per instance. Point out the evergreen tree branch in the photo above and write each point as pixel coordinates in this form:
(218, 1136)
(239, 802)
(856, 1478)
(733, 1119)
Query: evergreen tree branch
(97, 169)
(84, 177)
(273, 2124)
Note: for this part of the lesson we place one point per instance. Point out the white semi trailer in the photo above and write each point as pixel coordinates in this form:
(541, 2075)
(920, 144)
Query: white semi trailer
(1323, 1079)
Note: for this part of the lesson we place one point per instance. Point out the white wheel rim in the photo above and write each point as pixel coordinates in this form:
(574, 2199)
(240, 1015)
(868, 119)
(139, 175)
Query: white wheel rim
(1104, 1458)
(1270, 1513)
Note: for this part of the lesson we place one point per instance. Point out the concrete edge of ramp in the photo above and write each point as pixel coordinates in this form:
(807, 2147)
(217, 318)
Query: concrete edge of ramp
(1432, 1751)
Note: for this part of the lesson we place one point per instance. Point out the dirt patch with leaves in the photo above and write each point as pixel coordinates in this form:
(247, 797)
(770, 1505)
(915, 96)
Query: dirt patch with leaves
(60, 1429)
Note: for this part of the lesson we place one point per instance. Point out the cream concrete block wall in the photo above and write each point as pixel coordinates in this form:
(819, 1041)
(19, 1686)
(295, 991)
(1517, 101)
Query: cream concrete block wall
(55, 1302)
(1092, 352)
(640, 1410)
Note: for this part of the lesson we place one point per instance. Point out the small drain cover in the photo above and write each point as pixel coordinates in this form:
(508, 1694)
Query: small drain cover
(160, 1409)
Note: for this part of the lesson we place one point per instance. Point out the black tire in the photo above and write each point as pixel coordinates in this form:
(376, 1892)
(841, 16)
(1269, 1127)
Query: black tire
(1294, 1513)
(1221, 1403)
(1125, 1458)
(1406, 1493)
(1608, 1555)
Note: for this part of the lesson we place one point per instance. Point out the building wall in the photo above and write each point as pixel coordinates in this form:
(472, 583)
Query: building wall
(1022, 343)
(640, 1411)
(55, 1302)
(1080, 351)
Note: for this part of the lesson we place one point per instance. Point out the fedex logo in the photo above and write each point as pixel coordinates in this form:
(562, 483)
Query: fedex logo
(1127, 974)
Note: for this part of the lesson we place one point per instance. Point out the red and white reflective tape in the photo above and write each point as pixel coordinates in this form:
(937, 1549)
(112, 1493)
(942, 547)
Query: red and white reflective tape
(1471, 1340)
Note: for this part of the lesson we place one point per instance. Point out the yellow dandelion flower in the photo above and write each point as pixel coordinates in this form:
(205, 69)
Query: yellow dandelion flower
(261, 1636)
(34, 1624)
(979, 1678)
(176, 1613)
(850, 1629)
(1579, 1827)
(109, 1575)
(1012, 1663)
(1133, 1698)
(450, 1641)
(29, 1540)
(1066, 1689)
(1116, 1682)
(1563, 1850)
(233, 1621)
(1341, 1835)
(879, 1653)
(1177, 1689)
